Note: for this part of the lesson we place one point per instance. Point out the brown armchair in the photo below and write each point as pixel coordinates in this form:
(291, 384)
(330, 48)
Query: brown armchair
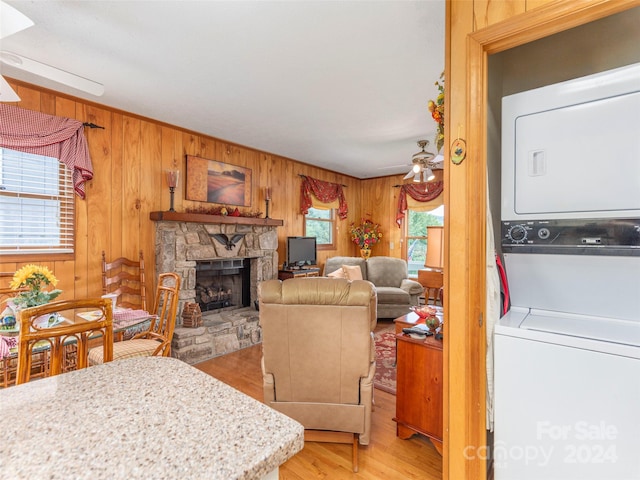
(319, 356)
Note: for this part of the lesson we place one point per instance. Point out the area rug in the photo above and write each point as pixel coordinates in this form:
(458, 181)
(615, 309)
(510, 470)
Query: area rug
(385, 378)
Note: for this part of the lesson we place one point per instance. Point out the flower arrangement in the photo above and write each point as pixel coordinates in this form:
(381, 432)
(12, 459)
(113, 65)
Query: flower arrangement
(366, 234)
(437, 112)
(32, 277)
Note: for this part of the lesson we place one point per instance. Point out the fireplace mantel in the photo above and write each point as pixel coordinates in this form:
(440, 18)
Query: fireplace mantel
(216, 219)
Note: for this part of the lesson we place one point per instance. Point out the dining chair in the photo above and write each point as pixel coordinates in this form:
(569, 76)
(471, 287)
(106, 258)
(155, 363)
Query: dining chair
(125, 278)
(9, 363)
(157, 339)
(432, 281)
(67, 342)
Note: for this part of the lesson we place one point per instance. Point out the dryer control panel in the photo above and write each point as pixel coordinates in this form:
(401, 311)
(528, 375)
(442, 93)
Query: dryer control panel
(573, 236)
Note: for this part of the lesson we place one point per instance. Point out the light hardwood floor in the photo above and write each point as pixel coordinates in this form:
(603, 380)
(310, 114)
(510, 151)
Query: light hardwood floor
(386, 457)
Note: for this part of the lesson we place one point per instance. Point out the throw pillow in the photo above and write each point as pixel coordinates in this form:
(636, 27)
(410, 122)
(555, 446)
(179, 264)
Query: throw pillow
(339, 273)
(352, 272)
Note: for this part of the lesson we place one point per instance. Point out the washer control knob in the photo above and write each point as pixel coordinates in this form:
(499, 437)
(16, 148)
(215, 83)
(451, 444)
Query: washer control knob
(517, 233)
(544, 233)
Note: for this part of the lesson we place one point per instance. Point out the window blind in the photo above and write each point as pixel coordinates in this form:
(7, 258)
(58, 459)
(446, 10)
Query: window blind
(36, 204)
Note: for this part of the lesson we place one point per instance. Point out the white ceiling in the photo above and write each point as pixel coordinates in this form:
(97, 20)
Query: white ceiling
(339, 84)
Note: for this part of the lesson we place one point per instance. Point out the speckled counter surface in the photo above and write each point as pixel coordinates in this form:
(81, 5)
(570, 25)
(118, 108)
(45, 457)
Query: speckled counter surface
(146, 418)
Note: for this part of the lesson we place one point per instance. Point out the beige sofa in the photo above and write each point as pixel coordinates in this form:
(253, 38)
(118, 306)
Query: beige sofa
(395, 291)
(318, 352)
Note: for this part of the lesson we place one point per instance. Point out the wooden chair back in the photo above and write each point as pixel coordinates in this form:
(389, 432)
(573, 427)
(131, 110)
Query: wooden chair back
(165, 308)
(67, 342)
(432, 281)
(125, 277)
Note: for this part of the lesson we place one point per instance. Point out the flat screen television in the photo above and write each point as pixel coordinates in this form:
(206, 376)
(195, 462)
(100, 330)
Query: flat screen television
(301, 251)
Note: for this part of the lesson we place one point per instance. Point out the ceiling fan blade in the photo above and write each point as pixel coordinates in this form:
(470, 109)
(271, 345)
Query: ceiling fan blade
(51, 73)
(12, 20)
(7, 94)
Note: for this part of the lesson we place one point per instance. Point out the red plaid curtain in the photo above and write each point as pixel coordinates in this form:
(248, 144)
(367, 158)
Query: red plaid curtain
(41, 134)
(325, 192)
(418, 193)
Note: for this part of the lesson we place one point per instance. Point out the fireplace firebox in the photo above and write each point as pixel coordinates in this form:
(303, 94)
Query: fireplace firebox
(223, 283)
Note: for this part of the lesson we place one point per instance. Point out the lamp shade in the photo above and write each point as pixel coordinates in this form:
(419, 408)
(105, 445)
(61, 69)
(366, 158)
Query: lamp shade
(435, 248)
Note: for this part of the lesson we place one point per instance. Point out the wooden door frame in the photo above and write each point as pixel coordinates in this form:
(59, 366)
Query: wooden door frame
(465, 344)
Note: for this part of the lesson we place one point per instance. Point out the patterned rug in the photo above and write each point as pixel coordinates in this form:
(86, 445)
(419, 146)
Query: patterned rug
(385, 378)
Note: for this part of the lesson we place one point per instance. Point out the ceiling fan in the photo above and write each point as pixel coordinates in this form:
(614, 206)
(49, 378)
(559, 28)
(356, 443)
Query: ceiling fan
(423, 163)
(12, 21)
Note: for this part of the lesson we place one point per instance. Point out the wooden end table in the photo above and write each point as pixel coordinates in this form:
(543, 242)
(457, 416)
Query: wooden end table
(419, 384)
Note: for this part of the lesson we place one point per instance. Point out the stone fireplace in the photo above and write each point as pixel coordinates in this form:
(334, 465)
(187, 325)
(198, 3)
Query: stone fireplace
(203, 249)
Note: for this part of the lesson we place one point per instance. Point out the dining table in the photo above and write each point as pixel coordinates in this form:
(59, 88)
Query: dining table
(126, 323)
(141, 418)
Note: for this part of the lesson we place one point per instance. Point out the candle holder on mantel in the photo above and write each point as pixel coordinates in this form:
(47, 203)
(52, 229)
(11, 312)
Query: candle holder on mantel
(267, 199)
(172, 181)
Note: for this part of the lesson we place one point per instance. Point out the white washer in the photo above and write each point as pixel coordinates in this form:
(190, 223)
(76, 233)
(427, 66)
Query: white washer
(567, 385)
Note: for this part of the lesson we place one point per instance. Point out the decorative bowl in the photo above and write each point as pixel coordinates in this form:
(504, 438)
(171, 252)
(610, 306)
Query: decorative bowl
(424, 311)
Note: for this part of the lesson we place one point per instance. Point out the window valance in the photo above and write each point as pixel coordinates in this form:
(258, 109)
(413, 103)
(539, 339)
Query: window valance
(41, 134)
(326, 192)
(417, 192)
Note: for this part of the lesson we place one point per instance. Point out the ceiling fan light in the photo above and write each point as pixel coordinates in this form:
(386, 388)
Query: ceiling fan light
(428, 175)
(416, 168)
(416, 178)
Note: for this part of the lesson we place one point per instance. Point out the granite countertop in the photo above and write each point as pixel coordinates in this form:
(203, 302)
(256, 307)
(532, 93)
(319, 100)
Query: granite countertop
(151, 417)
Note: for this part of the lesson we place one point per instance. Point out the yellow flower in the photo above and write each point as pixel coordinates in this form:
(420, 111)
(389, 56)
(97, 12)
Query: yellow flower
(32, 277)
(30, 274)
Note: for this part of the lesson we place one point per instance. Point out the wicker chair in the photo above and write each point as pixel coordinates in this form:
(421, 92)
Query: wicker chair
(68, 342)
(157, 339)
(125, 278)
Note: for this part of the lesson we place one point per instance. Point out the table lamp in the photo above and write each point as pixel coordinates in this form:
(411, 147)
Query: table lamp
(435, 248)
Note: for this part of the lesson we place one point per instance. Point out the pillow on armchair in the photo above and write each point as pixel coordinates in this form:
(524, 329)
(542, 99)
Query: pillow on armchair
(339, 273)
(352, 272)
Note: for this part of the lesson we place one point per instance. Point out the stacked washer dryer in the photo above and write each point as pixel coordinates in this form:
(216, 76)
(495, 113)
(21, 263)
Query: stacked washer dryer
(567, 355)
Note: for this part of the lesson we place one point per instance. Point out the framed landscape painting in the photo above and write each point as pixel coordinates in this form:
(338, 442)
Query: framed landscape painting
(216, 182)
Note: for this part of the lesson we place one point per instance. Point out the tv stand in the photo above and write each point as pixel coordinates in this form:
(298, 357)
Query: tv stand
(298, 273)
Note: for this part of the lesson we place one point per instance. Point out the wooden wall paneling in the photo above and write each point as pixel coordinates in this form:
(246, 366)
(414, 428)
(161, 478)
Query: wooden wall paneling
(396, 234)
(72, 275)
(286, 202)
(116, 182)
(374, 204)
(263, 179)
(98, 193)
(151, 185)
(251, 159)
(63, 269)
(131, 187)
(48, 103)
(166, 161)
(179, 157)
(29, 98)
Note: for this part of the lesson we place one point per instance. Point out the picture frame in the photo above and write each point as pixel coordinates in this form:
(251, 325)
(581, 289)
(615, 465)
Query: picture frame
(212, 181)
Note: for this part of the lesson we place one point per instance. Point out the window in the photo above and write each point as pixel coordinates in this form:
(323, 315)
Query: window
(36, 204)
(320, 223)
(417, 222)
